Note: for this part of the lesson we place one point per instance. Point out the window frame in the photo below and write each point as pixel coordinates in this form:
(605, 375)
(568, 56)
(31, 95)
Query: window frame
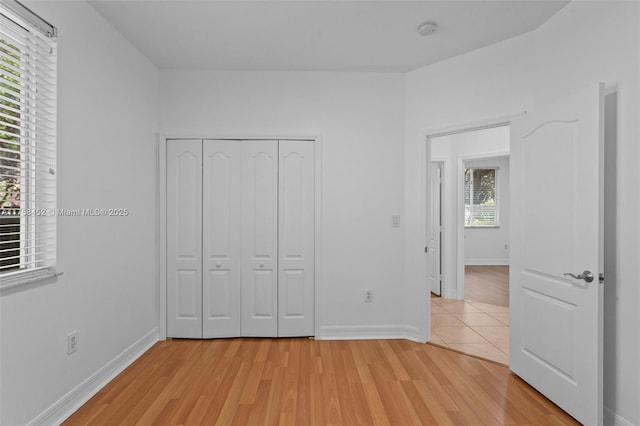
(29, 95)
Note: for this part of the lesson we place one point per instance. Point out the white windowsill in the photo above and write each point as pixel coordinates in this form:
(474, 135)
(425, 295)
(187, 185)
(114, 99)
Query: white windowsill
(19, 278)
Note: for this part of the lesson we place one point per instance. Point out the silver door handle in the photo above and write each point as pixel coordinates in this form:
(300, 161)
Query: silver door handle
(586, 275)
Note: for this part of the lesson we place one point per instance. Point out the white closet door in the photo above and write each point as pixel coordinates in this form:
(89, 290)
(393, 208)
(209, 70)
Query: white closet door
(259, 238)
(296, 238)
(221, 199)
(184, 241)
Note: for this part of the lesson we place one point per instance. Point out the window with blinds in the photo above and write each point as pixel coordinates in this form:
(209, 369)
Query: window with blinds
(480, 201)
(27, 150)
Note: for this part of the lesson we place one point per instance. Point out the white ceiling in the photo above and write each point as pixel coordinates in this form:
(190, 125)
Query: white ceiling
(305, 35)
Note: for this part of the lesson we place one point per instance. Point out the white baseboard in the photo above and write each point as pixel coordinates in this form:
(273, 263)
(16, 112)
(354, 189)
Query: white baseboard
(613, 419)
(366, 332)
(486, 262)
(68, 404)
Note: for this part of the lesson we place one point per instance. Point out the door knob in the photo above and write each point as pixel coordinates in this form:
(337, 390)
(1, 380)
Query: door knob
(586, 275)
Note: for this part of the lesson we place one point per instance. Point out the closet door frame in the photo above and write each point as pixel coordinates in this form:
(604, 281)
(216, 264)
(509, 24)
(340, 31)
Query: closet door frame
(161, 249)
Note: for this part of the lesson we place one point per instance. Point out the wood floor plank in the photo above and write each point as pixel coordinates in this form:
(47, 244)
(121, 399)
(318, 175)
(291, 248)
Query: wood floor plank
(274, 399)
(232, 394)
(310, 382)
(440, 412)
(289, 400)
(303, 413)
(420, 405)
(258, 409)
(331, 398)
(350, 393)
(317, 400)
(220, 392)
(392, 356)
(480, 398)
(460, 391)
(396, 405)
(487, 284)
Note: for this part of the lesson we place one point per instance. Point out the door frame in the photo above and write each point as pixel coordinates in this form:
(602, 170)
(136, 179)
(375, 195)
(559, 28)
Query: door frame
(161, 209)
(446, 289)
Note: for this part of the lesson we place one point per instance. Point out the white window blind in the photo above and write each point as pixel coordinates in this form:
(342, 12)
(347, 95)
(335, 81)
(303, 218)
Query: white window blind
(480, 201)
(27, 151)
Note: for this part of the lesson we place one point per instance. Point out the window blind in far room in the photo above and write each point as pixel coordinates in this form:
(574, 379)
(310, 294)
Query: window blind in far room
(27, 149)
(480, 201)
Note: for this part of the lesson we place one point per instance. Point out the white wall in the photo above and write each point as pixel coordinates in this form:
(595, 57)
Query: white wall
(586, 42)
(489, 246)
(359, 118)
(106, 158)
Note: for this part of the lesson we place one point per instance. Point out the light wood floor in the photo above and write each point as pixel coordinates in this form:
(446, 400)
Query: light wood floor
(487, 284)
(309, 382)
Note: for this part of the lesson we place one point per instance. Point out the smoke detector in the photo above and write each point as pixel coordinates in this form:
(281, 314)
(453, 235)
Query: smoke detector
(427, 28)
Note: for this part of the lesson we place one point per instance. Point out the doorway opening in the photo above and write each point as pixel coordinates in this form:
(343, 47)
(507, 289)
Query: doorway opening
(468, 240)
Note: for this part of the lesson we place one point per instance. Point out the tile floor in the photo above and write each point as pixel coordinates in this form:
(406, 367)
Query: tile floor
(475, 328)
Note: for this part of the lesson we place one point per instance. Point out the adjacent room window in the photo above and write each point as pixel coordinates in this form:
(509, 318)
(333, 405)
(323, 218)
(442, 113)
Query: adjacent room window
(480, 197)
(27, 146)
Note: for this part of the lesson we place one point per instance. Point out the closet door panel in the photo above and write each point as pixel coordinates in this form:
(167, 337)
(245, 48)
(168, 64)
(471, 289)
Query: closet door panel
(184, 247)
(296, 238)
(187, 291)
(221, 199)
(259, 238)
(217, 288)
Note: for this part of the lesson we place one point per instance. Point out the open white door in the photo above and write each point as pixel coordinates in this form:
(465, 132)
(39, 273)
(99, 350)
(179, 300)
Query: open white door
(435, 228)
(556, 218)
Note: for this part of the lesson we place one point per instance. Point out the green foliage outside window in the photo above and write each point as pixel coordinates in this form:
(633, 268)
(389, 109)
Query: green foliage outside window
(9, 128)
(480, 197)
(10, 164)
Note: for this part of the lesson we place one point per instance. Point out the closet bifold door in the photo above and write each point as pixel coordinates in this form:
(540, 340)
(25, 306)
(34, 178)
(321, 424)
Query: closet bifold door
(184, 238)
(259, 299)
(240, 238)
(221, 207)
(296, 238)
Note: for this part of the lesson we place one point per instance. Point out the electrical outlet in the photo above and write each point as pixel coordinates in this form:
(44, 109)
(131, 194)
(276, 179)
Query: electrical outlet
(72, 342)
(368, 296)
